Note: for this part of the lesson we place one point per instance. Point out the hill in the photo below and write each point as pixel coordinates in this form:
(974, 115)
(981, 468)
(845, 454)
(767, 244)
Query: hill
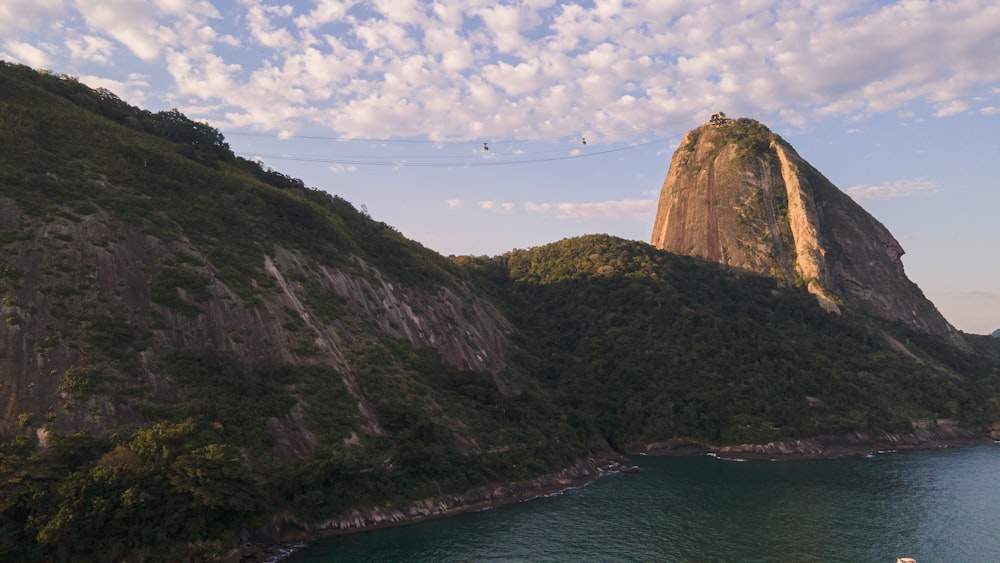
(193, 345)
(649, 345)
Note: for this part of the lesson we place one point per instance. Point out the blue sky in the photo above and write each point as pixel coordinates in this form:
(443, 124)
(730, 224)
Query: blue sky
(388, 103)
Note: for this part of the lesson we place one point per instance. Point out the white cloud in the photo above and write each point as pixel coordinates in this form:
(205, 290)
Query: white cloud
(90, 48)
(28, 54)
(626, 209)
(892, 190)
(990, 110)
(951, 108)
(532, 69)
(264, 32)
(454, 203)
(379, 34)
(18, 16)
(326, 11)
(343, 168)
(206, 76)
(496, 207)
(131, 23)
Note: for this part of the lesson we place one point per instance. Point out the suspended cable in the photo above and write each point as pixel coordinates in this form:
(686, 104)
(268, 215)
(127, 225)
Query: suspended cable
(402, 163)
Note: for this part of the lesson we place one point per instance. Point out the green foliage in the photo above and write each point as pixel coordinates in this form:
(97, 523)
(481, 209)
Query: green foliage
(81, 380)
(325, 304)
(160, 494)
(25, 419)
(647, 345)
(113, 337)
(178, 287)
(219, 389)
(749, 135)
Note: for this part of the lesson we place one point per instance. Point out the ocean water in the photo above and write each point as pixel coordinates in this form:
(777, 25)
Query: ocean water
(940, 505)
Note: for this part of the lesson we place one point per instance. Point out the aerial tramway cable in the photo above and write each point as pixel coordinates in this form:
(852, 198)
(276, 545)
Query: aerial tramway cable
(402, 163)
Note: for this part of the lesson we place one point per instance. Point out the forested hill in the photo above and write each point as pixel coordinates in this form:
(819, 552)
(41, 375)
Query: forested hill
(196, 350)
(651, 345)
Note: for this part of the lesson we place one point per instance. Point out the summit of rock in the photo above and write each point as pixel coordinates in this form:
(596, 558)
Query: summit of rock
(738, 194)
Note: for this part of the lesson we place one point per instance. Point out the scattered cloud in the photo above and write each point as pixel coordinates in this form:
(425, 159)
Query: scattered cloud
(28, 54)
(343, 168)
(525, 70)
(951, 108)
(626, 209)
(454, 203)
(22, 15)
(497, 207)
(90, 48)
(892, 190)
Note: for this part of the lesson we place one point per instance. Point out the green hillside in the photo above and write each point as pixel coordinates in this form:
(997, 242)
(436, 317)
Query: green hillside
(647, 345)
(194, 346)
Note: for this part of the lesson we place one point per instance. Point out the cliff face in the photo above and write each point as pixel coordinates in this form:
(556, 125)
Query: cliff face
(738, 194)
(87, 286)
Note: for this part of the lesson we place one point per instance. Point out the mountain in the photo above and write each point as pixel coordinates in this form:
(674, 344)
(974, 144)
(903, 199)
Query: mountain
(193, 345)
(197, 351)
(739, 195)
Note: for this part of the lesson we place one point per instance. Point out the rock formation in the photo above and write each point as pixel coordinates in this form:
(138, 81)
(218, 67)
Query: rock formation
(738, 194)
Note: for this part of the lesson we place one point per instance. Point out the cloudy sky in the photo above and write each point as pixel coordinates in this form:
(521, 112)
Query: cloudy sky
(390, 103)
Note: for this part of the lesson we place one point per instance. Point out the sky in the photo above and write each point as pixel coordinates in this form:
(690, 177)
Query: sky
(478, 126)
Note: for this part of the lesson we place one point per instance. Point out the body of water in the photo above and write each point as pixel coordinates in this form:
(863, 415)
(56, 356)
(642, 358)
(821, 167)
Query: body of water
(941, 505)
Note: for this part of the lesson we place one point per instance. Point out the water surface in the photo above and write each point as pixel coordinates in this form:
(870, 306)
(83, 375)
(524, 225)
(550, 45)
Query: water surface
(941, 505)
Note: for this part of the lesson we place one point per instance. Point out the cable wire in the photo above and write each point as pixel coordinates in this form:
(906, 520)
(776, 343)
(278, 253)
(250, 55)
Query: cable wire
(403, 163)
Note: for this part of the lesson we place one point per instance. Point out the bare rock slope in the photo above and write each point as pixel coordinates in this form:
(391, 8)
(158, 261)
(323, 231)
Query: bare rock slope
(738, 194)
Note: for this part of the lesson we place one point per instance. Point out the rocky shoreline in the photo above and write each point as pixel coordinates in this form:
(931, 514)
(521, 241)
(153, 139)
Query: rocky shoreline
(265, 544)
(271, 543)
(925, 435)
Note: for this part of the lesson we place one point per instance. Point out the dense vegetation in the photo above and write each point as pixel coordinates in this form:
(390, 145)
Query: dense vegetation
(201, 459)
(612, 340)
(647, 345)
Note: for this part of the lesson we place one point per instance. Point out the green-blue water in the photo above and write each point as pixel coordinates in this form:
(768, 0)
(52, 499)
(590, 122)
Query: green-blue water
(941, 505)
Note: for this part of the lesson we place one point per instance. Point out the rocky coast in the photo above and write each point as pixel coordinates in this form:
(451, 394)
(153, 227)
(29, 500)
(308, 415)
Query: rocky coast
(925, 435)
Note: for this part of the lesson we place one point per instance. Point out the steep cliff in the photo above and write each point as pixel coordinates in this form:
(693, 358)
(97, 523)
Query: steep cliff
(738, 194)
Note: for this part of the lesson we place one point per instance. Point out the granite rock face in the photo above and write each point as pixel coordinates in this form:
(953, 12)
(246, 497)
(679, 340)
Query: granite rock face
(738, 194)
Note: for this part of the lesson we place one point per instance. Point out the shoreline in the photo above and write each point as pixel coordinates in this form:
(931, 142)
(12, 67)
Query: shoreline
(285, 534)
(926, 435)
(278, 539)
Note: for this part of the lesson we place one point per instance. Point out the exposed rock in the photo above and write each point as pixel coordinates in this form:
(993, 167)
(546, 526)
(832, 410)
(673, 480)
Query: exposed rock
(286, 528)
(740, 195)
(111, 267)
